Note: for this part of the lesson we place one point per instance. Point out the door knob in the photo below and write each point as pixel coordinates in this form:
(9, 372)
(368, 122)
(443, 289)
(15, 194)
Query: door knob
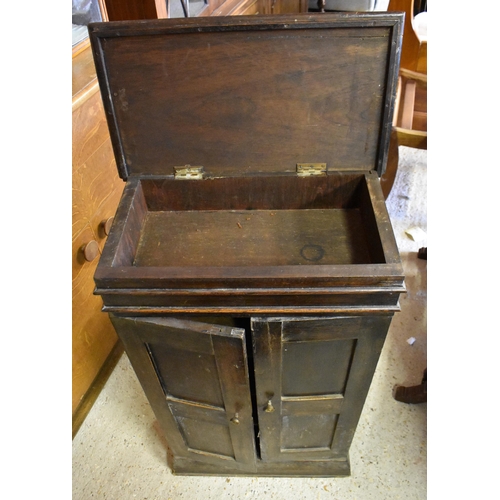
(90, 250)
(106, 225)
(235, 420)
(269, 407)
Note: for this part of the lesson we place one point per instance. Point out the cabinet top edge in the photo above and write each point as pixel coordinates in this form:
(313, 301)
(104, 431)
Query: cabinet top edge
(236, 23)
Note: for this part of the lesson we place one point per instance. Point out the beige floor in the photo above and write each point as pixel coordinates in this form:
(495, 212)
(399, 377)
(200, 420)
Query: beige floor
(118, 456)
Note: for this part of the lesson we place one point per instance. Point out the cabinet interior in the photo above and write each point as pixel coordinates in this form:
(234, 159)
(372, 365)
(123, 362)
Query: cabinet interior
(251, 221)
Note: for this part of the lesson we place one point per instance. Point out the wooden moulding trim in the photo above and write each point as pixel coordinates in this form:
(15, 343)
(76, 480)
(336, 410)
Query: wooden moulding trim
(249, 291)
(215, 23)
(253, 311)
(240, 283)
(392, 272)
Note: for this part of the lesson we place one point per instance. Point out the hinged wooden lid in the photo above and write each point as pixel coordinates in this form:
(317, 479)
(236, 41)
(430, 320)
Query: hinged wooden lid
(247, 94)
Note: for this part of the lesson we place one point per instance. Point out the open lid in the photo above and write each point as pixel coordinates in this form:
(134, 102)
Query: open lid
(247, 94)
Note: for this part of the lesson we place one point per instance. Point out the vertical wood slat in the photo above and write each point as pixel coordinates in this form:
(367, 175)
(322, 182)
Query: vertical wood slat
(231, 358)
(397, 103)
(408, 104)
(267, 360)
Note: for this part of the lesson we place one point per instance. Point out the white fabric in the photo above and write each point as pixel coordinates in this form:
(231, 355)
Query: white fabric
(420, 26)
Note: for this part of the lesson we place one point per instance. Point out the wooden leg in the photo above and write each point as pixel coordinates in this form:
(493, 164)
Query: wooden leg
(412, 395)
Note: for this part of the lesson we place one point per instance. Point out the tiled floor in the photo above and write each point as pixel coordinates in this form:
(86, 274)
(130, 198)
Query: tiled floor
(117, 454)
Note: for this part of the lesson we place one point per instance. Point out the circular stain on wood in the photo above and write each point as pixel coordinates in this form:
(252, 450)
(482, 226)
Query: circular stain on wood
(312, 253)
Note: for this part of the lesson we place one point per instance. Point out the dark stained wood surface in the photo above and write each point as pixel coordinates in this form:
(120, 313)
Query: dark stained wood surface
(316, 373)
(196, 378)
(254, 192)
(274, 391)
(343, 191)
(253, 238)
(247, 301)
(305, 381)
(249, 93)
(313, 468)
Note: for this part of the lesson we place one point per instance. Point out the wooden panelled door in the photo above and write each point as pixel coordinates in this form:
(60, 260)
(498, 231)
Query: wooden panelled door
(312, 378)
(196, 378)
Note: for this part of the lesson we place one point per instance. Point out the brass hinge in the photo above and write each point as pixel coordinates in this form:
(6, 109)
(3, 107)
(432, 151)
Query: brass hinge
(188, 172)
(307, 169)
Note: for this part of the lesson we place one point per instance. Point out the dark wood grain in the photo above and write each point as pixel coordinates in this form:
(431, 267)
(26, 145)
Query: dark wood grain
(156, 242)
(196, 379)
(249, 93)
(254, 192)
(317, 376)
(304, 272)
(252, 238)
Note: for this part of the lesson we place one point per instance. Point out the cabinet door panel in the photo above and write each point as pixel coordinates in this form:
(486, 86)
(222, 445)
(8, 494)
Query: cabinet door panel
(195, 376)
(318, 373)
(315, 368)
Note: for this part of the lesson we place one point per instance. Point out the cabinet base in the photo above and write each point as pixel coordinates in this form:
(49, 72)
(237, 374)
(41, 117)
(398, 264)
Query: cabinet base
(181, 466)
(185, 467)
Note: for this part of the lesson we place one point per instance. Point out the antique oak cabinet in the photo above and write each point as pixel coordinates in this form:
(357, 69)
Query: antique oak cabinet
(251, 270)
